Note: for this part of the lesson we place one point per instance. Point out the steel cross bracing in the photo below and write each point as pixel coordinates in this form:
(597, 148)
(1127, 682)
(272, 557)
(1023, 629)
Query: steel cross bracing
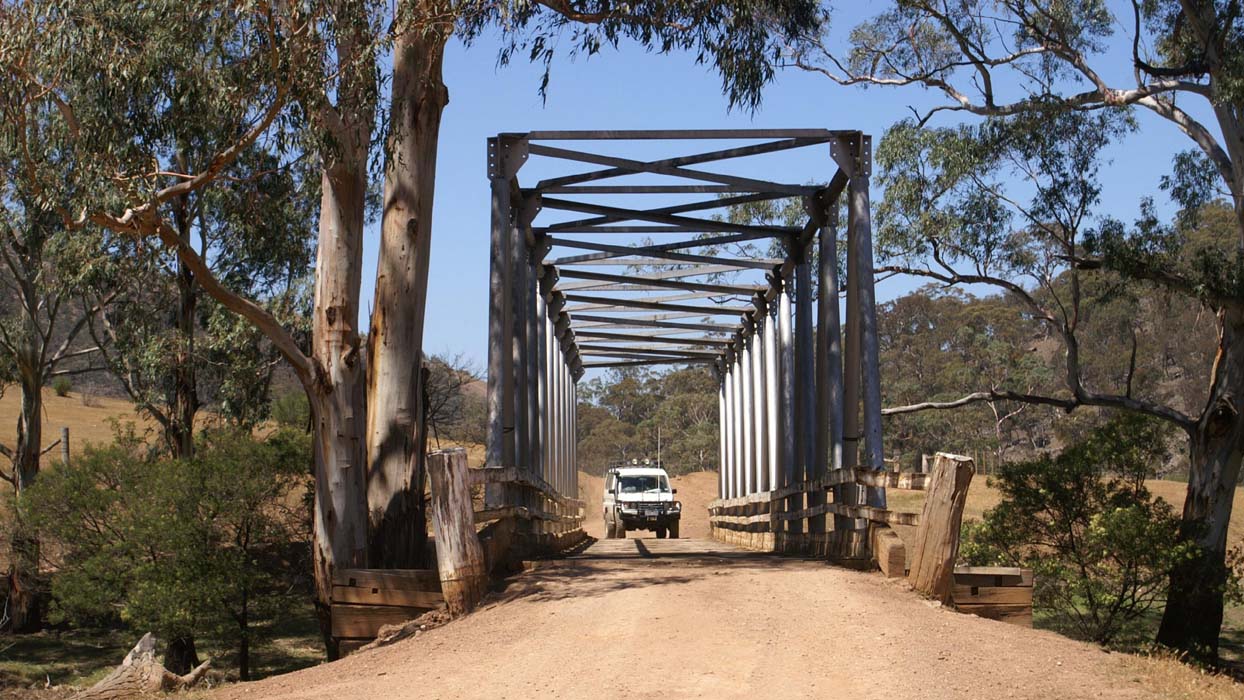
(572, 289)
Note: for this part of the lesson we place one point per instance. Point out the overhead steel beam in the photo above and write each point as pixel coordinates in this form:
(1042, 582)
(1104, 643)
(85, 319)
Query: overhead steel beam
(639, 166)
(665, 274)
(641, 189)
(655, 216)
(658, 322)
(698, 158)
(654, 248)
(646, 363)
(751, 264)
(670, 284)
(631, 338)
(640, 304)
(648, 134)
(591, 350)
(698, 205)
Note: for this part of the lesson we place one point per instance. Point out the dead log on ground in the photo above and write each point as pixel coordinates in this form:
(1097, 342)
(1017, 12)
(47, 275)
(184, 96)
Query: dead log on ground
(141, 674)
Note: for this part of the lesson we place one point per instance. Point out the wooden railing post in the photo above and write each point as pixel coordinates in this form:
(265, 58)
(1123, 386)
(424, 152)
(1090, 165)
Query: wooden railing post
(937, 537)
(459, 556)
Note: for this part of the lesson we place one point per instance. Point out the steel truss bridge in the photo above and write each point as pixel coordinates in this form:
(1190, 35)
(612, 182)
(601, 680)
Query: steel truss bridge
(758, 302)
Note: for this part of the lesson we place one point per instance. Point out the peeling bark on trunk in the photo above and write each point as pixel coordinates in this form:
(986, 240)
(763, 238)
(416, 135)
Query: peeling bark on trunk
(396, 415)
(336, 393)
(1194, 607)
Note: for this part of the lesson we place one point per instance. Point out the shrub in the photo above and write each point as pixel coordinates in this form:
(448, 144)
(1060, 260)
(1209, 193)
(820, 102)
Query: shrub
(185, 548)
(292, 410)
(62, 385)
(1100, 545)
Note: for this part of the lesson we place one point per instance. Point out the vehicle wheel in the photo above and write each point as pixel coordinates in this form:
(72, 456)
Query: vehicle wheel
(660, 533)
(674, 530)
(619, 530)
(609, 530)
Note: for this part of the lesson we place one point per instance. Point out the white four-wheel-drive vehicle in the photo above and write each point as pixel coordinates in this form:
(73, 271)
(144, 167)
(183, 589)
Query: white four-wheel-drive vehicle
(639, 497)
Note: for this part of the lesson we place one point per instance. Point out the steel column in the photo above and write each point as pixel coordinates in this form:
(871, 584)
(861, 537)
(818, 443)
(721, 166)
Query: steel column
(721, 435)
(870, 371)
(806, 391)
(786, 339)
(749, 415)
(851, 381)
(773, 412)
(760, 431)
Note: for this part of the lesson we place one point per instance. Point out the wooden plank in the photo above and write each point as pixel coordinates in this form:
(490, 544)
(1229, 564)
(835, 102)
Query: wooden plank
(992, 576)
(1013, 614)
(384, 596)
(1001, 595)
(877, 515)
(365, 621)
(889, 551)
(389, 579)
(739, 519)
(936, 545)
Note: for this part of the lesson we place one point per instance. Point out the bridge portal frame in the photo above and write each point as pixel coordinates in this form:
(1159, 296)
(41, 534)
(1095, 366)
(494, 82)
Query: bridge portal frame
(800, 399)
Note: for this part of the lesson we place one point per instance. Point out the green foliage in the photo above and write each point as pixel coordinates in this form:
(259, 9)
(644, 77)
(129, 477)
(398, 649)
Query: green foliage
(196, 547)
(62, 386)
(741, 39)
(624, 415)
(291, 410)
(1101, 546)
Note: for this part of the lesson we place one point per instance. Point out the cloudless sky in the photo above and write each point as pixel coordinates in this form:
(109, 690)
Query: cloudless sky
(632, 89)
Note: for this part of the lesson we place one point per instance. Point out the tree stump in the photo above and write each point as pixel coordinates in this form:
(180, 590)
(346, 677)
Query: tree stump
(937, 538)
(141, 674)
(459, 556)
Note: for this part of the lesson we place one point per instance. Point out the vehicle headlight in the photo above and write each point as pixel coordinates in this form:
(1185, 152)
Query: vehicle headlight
(675, 505)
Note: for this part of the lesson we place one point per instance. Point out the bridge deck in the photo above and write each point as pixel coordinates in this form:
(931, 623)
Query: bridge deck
(683, 549)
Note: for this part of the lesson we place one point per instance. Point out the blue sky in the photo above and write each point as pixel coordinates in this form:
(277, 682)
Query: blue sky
(632, 89)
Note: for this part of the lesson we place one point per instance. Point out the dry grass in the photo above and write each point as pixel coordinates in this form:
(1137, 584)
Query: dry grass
(982, 497)
(1166, 676)
(87, 423)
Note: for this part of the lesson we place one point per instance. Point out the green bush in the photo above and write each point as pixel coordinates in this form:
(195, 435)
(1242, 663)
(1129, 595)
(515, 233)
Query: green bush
(185, 548)
(292, 410)
(62, 385)
(1099, 544)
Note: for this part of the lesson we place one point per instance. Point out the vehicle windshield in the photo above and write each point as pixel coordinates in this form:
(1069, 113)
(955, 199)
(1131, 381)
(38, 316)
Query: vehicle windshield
(642, 484)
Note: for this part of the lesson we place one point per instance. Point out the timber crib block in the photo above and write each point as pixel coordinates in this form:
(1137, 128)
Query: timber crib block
(994, 592)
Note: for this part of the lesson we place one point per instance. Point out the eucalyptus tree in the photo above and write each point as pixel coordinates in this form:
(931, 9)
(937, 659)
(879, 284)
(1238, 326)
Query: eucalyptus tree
(171, 349)
(1181, 60)
(115, 79)
(42, 319)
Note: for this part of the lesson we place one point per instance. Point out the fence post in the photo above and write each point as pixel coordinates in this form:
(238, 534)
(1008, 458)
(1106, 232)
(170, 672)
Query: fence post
(459, 556)
(64, 445)
(937, 538)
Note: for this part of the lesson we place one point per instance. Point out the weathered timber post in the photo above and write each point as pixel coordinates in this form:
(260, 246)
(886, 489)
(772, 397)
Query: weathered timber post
(459, 556)
(64, 445)
(936, 545)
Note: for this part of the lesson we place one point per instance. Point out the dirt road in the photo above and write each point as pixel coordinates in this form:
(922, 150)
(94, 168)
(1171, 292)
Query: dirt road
(693, 618)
